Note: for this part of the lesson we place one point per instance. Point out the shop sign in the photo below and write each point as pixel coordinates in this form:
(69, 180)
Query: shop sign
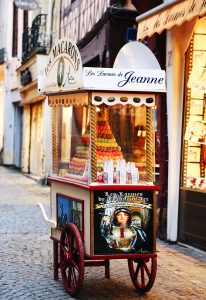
(123, 222)
(175, 15)
(63, 71)
(124, 79)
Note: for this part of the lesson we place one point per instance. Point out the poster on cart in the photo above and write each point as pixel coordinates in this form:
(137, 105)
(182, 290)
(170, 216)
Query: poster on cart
(69, 210)
(123, 222)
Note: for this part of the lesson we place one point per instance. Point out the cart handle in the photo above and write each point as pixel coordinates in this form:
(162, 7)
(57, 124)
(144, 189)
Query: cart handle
(49, 222)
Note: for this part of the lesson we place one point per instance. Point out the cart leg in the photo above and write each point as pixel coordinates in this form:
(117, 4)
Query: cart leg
(107, 268)
(56, 264)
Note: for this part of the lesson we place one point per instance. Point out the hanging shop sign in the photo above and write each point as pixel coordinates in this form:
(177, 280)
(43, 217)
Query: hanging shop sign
(167, 18)
(124, 79)
(63, 71)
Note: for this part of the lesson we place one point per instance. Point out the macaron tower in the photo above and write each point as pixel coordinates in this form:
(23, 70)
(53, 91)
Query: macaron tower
(107, 147)
(78, 166)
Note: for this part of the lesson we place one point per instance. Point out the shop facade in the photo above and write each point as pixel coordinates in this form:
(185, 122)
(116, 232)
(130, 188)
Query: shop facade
(36, 119)
(185, 22)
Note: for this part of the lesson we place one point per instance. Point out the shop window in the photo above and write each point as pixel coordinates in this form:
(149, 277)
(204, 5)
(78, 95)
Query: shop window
(194, 135)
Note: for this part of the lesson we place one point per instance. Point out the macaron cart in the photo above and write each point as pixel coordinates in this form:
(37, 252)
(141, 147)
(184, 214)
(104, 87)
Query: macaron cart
(103, 200)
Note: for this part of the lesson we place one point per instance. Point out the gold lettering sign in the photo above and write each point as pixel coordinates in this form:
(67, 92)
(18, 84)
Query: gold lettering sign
(175, 15)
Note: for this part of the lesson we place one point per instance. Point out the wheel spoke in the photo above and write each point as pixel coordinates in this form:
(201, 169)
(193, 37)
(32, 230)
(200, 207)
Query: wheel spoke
(142, 276)
(63, 249)
(74, 277)
(147, 269)
(137, 271)
(70, 241)
(75, 265)
(70, 276)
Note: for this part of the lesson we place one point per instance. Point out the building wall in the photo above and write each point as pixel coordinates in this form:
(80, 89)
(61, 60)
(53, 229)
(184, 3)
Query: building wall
(3, 18)
(1, 106)
(10, 87)
(12, 93)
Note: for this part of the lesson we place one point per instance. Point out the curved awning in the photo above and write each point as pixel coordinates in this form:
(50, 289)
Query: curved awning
(98, 98)
(168, 15)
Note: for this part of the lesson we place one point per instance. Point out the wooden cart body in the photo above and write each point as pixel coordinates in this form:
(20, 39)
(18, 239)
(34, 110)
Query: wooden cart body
(85, 228)
(85, 195)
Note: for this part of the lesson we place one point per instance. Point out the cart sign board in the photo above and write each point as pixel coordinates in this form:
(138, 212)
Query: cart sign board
(124, 79)
(123, 222)
(63, 71)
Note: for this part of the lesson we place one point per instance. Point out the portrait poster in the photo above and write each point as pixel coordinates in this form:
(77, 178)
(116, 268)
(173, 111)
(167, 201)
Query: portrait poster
(69, 210)
(123, 222)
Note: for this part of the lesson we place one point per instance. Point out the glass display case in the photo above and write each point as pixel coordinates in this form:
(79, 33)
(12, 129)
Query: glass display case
(109, 140)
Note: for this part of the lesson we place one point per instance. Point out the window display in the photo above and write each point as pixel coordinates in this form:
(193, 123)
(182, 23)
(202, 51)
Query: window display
(194, 143)
(119, 143)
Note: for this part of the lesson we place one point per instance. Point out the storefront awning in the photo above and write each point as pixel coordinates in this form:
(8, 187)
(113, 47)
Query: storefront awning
(167, 15)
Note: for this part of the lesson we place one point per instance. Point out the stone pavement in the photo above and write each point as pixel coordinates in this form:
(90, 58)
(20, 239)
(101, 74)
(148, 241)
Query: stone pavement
(26, 256)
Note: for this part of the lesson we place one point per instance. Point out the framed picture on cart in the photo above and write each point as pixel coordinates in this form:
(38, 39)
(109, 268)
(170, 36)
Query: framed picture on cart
(69, 210)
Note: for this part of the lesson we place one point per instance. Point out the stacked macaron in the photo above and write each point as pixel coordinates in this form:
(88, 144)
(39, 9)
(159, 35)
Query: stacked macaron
(107, 147)
(78, 162)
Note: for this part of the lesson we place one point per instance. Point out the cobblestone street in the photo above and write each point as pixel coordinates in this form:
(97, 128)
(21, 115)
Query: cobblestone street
(26, 256)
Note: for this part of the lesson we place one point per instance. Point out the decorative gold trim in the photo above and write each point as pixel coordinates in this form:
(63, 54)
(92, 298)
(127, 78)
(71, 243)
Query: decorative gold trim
(55, 139)
(122, 98)
(149, 153)
(93, 144)
(68, 99)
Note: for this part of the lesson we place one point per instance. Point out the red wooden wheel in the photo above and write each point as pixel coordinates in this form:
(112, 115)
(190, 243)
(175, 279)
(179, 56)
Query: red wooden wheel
(72, 259)
(143, 273)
